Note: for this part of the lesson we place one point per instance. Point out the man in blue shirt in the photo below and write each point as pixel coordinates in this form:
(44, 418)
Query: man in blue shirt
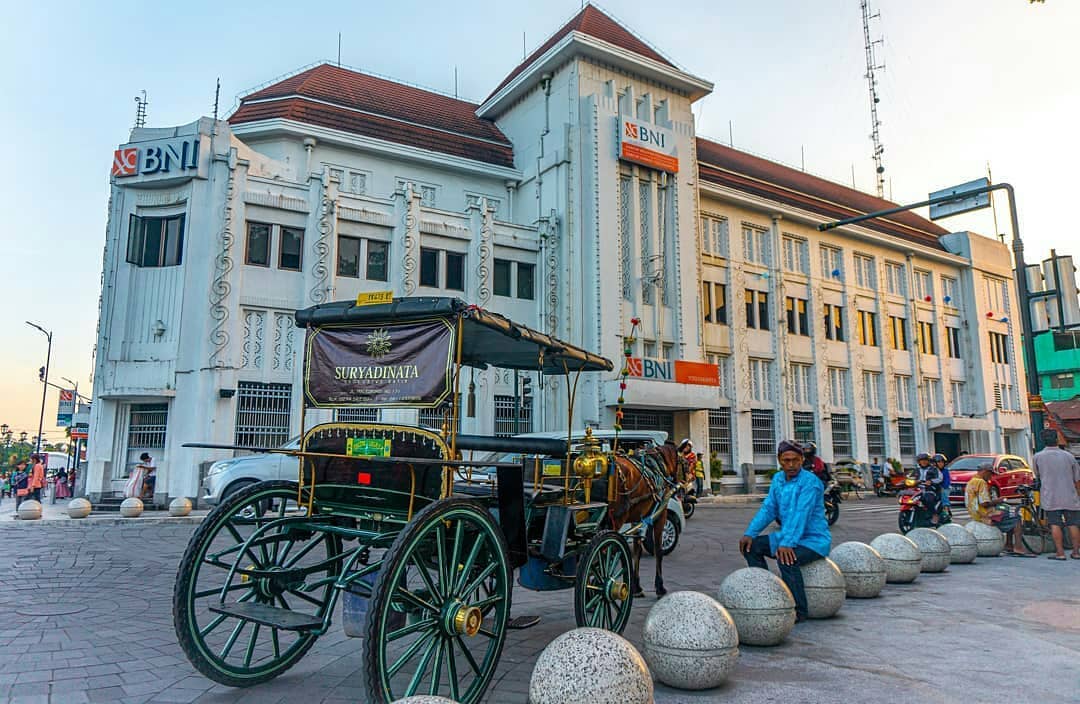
(796, 500)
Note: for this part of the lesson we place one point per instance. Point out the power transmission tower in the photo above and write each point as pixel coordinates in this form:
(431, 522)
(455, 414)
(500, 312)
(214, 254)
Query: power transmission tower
(871, 82)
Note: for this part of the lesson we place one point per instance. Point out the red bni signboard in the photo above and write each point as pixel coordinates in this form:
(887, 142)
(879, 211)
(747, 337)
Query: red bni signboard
(648, 145)
(675, 371)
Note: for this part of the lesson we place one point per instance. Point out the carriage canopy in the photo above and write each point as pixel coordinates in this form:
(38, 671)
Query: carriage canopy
(404, 353)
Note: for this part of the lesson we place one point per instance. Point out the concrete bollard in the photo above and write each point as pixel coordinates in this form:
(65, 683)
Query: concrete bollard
(935, 550)
(131, 507)
(963, 549)
(79, 508)
(825, 588)
(180, 506)
(989, 540)
(690, 641)
(903, 561)
(862, 567)
(590, 665)
(29, 510)
(760, 604)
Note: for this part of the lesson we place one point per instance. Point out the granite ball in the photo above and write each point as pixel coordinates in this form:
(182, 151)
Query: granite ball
(690, 641)
(29, 510)
(862, 567)
(825, 588)
(180, 506)
(962, 546)
(989, 540)
(79, 508)
(760, 604)
(936, 553)
(424, 699)
(131, 507)
(903, 561)
(590, 665)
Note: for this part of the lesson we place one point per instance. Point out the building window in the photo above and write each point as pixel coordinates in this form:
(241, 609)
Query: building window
(872, 389)
(1005, 398)
(155, 242)
(838, 385)
(648, 349)
(436, 418)
(262, 414)
(356, 415)
(832, 262)
(868, 328)
(798, 321)
(757, 309)
(258, 244)
(455, 271)
(714, 236)
(763, 431)
(526, 281)
(952, 340)
(898, 332)
(1062, 381)
(147, 426)
(1068, 340)
(927, 338)
(905, 428)
(453, 263)
(720, 431)
(796, 255)
(924, 286)
(667, 351)
(759, 379)
(756, 245)
(348, 257)
(378, 260)
(834, 322)
(875, 436)
(932, 400)
(959, 407)
(504, 283)
(429, 267)
(799, 379)
(997, 295)
(999, 348)
(714, 302)
(501, 277)
(950, 291)
(864, 271)
(903, 393)
(507, 421)
(804, 426)
(841, 436)
(894, 279)
(723, 370)
(291, 248)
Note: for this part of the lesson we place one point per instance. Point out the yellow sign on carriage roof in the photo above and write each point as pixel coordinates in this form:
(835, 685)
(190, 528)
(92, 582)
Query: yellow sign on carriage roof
(371, 298)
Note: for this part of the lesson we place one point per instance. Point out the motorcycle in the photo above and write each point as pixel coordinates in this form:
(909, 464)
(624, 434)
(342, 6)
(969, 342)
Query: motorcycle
(916, 510)
(890, 485)
(688, 497)
(832, 502)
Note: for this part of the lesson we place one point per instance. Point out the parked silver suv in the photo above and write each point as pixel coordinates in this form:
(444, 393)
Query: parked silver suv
(228, 476)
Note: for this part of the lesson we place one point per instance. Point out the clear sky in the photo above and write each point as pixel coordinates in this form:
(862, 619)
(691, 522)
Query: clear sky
(966, 82)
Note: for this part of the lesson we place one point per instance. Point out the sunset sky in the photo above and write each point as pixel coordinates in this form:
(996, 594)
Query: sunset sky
(966, 83)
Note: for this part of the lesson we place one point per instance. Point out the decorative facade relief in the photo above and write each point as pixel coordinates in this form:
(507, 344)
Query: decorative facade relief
(157, 199)
(254, 335)
(284, 335)
(223, 266)
(411, 240)
(550, 242)
(320, 270)
(276, 201)
(483, 253)
(644, 218)
(626, 234)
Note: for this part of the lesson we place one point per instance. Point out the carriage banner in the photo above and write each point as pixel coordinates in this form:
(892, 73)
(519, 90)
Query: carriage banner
(385, 365)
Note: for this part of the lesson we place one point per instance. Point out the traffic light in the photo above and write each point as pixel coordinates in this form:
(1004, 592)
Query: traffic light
(526, 387)
(41, 374)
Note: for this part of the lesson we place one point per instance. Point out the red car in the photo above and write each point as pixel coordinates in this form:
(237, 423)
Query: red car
(1010, 472)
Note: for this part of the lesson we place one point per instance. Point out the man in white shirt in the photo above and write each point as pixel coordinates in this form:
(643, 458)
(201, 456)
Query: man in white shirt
(1059, 493)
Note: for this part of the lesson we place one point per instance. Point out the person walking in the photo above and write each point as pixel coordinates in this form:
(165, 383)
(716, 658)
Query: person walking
(37, 478)
(795, 499)
(20, 483)
(1059, 492)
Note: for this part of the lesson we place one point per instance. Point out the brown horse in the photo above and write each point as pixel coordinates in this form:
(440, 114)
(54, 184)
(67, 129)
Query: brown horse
(635, 497)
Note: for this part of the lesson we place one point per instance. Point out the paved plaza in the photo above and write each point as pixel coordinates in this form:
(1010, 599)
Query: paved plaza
(87, 618)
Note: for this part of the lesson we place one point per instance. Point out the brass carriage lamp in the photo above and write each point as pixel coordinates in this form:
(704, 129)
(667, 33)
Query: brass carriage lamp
(591, 463)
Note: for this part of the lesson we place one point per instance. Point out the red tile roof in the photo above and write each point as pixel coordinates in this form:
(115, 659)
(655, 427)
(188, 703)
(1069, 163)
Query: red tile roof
(335, 97)
(597, 24)
(729, 167)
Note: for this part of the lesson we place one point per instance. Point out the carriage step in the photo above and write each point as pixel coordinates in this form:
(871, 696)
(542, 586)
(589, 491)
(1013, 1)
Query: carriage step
(271, 616)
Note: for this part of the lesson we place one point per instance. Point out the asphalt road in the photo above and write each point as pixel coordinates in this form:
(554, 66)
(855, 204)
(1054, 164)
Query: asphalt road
(87, 618)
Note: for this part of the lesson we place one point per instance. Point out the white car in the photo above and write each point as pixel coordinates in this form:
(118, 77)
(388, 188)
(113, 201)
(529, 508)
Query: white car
(226, 477)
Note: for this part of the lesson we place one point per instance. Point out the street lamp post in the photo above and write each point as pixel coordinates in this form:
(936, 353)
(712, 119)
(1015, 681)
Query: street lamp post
(45, 384)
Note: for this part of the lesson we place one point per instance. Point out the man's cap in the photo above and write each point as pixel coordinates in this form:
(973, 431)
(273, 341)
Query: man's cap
(788, 446)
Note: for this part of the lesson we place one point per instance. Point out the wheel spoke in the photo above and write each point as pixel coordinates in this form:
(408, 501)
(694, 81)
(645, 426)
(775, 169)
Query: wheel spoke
(415, 600)
(305, 550)
(440, 552)
(468, 655)
(436, 593)
(305, 597)
(418, 676)
(411, 628)
(232, 639)
(459, 532)
(276, 644)
(436, 668)
(484, 574)
(217, 590)
(241, 540)
(407, 655)
(251, 646)
(488, 602)
(469, 562)
(451, 669)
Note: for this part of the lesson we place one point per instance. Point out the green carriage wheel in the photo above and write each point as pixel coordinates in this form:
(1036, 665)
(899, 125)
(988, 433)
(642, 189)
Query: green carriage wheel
(602, 595)
(436, 622)
(237, 651)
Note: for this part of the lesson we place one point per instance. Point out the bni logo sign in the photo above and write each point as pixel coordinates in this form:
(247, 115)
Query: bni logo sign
(161, 157)
(125, 162)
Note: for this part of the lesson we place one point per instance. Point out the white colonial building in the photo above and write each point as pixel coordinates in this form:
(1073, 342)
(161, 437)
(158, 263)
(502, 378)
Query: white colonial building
(576, 197)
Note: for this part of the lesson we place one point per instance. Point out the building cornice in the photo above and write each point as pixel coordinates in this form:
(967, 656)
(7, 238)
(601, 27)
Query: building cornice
(298, 129)
(577, 43)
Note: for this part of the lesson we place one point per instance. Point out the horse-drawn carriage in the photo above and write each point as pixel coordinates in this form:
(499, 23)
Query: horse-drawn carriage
(419, 540)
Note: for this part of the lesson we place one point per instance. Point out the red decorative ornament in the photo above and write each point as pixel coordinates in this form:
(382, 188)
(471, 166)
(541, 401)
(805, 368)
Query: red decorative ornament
(635, 321)
(622, 385)
(989, 314)
(928, 299)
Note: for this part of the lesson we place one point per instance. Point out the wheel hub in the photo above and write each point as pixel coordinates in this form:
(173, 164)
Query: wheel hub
(461, 619)
(617, 590)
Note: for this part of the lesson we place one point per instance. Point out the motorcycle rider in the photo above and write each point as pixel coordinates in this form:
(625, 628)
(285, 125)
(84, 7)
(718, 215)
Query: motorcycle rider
(814, 464)
(940, 461)
(930, 480)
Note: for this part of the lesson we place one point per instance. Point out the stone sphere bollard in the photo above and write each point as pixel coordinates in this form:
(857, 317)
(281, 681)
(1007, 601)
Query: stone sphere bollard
(989, 540)
(131, 508)
(690, 641)
(903, 561)
(862, 567)
(962, 546)
(936, 553)
(760, 604)
(424, 699)
(825, 588)
(29, 510)
(79, 508)
(590, 665)
(180, 506)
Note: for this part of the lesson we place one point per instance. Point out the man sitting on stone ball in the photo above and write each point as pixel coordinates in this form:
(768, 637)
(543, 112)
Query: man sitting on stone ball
(796, 501)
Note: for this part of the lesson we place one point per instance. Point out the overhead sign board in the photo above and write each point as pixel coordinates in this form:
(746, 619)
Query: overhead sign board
(963, 204)
(160, 158)
(675, 371)
(648, 145)
(65, 408)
